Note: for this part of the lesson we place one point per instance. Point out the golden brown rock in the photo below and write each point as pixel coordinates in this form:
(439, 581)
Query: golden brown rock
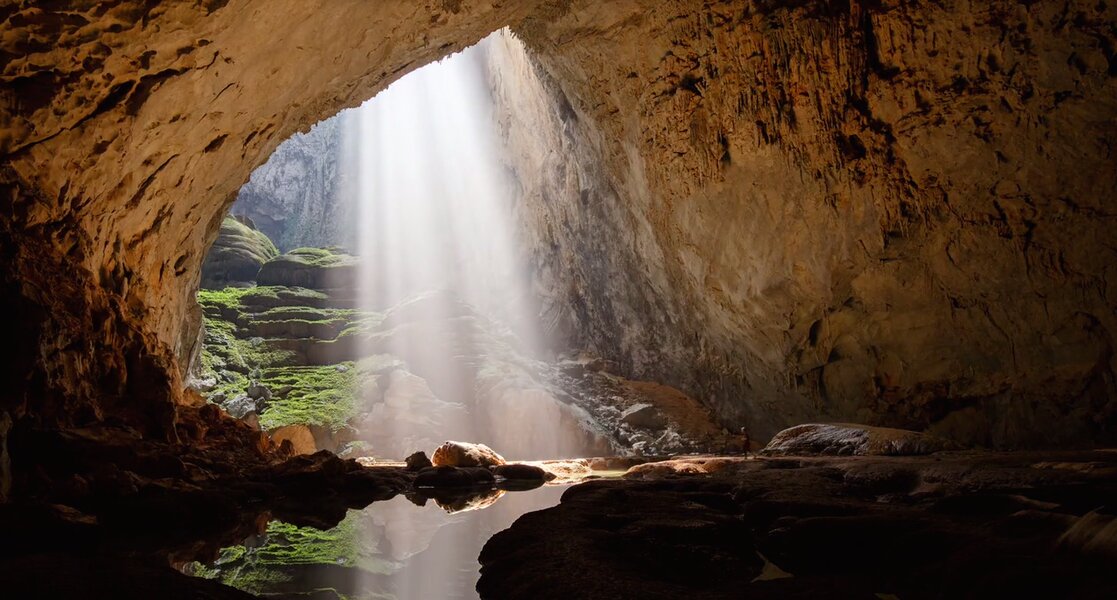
(462, 454)
(302, 440)
(897, 213)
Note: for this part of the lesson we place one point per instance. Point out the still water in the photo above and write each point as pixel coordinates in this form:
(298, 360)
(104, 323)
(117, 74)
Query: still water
(388, 550)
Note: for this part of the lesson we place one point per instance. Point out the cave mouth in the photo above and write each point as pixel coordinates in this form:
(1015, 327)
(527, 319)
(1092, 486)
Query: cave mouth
(370, 295)
(825, 221)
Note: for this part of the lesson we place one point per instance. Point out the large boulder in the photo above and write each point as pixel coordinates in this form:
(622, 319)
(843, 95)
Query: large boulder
(440, 477)
(522, 472)
(462, 454)
(644, 416)
(237, 255)
(849, 439)
(314, 268)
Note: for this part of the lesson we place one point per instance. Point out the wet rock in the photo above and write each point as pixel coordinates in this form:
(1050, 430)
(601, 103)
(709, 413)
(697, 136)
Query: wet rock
(737, 532)
(644, 416)
(463, 454)
(440, 477)
(522, 472)
(699, 550)
(418, 461)
(299, 436)
(844, 439)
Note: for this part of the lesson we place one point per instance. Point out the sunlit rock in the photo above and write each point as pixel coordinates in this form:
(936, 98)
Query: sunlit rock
(464, 454)
(314, 268)
(300, 437)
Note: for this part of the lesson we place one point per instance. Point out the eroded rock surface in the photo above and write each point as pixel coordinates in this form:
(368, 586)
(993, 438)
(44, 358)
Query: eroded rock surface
(237, 255)
(892, 213)
(804, 211)
(953, 525)
(847, 439)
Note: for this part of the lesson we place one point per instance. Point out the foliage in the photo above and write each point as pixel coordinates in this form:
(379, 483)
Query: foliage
(322, 395)
(286, 548)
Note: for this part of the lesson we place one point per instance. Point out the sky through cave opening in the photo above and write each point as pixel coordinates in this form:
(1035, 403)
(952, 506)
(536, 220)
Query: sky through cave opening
(404, 220)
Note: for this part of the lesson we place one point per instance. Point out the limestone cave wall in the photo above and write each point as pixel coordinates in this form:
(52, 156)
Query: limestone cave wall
(897, 213)
(894, 212)
(127, 128)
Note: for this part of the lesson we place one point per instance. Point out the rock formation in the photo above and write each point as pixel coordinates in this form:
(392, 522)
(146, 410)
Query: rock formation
(295, 196)
(890, 213)
(236, 255)
(462, 454)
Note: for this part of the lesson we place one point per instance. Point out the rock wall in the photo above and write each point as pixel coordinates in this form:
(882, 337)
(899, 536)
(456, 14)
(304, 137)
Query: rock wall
(297, 198)
(895, 213)
(889, 212)
(127, 129)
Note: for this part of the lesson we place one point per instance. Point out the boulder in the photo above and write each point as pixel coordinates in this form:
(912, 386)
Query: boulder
(521, 472)
(462, 454)
(644, 416)
(240, 406)
(258, 391)
(845, 439)
(315, 268)
(300, 437)
(237, 255)
(418, 461)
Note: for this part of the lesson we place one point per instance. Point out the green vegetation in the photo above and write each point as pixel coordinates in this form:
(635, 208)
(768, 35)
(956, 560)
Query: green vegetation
(240, 237)
(228, 354)
(258, 334)
(320, 257)
(308, 313)
(275, 565)
(228, 298)
(278, 295)
(324, 396)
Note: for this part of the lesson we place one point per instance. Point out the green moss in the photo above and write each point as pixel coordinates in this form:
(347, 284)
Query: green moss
(364, 323)
(278, 295)
(308, 313)
(320, 257)
(321, 396)
(274, 565)
(242, 237)
(229, 355)
(229, 297)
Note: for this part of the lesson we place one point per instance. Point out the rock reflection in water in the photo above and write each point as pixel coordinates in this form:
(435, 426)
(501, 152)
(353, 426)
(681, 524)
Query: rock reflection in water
(424, 545)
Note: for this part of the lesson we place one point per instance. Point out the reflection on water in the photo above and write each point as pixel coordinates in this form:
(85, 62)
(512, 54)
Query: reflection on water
(393, 549)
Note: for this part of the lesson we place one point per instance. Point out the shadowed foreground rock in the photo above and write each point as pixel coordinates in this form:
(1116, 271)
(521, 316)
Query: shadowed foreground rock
(955, 525)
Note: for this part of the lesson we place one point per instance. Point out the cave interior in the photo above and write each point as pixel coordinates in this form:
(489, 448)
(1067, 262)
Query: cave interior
(738, 299)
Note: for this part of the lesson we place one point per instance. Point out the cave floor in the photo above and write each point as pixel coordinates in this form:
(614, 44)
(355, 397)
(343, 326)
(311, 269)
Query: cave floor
(946, 525)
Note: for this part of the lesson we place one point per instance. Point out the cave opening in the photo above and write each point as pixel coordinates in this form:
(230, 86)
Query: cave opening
(371, 294)
(871, 242)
